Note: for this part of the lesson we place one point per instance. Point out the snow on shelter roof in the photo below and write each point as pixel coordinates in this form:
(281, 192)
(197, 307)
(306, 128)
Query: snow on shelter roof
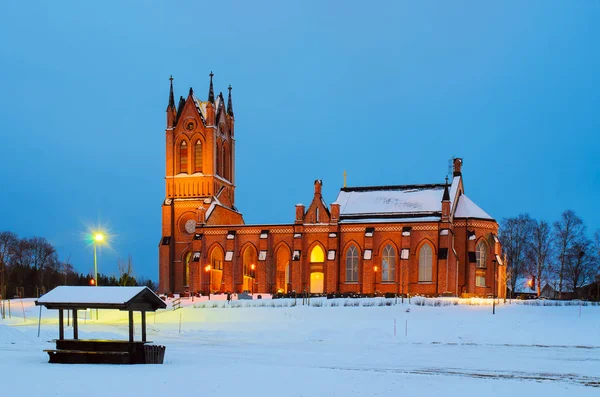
(404, 199)
(468, 209)
(121, 298)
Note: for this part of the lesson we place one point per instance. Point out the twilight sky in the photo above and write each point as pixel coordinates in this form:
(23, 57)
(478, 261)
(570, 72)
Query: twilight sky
(387, 90)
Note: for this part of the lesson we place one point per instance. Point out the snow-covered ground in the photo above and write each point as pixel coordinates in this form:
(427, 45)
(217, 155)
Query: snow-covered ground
(255, 349)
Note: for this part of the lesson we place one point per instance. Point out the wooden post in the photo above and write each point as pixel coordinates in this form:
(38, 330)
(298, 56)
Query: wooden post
(130, 326)
(75, 330)
(143, 326)
(61, 325)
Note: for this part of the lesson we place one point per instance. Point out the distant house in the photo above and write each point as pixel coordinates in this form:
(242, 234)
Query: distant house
(523, 289)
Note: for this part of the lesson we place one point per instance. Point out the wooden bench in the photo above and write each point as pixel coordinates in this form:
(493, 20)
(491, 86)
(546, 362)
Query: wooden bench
(61, 356)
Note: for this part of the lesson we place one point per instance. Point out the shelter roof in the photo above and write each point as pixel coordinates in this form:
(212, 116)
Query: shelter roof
(120, 298)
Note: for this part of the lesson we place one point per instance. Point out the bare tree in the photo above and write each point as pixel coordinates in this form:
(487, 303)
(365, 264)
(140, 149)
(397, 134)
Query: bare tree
(8, 241)
(538, 252)
(126, 273)
(568, 231)
(580, 268)
(515, 234)
(42, 257)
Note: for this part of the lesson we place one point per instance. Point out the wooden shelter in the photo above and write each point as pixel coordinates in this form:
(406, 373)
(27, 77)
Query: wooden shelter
(76, 350)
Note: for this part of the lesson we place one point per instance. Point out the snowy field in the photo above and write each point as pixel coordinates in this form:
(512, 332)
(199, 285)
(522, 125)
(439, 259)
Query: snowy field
(254, 349)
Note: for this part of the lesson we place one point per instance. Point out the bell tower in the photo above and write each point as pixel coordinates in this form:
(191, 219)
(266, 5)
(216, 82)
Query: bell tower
(199, 175)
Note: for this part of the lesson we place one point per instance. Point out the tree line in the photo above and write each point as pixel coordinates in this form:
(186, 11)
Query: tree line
(560, 255)
(30, 266)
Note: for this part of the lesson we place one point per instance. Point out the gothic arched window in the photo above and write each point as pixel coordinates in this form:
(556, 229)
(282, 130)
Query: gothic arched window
(183, 157)
(352, 264)
(425, 263)
(198, 157)
(481, 255)
(224, 166)
(388, 264)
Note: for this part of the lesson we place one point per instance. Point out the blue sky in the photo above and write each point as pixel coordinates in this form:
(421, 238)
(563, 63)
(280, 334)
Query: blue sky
(387, 90)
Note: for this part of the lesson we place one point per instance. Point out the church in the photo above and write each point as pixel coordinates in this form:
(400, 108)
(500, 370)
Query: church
(428, 239)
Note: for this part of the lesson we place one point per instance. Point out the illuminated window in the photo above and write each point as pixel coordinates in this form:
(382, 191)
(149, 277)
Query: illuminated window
(425, 263)
(198, 157)
(183, 157)
(388, 264)
(317, 255)
(249, 259)
(186, 273)
(481, 255)
(352, 264)
(480, 281)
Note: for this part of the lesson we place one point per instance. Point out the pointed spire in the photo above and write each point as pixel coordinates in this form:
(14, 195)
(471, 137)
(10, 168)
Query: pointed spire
(191, 92)
(211, 93)
(179, 108)
(171, 105)
(446, 196)
(229, 103)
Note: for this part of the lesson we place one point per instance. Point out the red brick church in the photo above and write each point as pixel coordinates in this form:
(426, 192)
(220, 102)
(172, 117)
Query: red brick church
(428, 239)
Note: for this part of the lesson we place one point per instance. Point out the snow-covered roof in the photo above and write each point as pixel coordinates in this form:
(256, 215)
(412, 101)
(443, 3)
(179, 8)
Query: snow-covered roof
(468, 209)
(99, 297)
(391, 220)
(391, 200)
(454, 190)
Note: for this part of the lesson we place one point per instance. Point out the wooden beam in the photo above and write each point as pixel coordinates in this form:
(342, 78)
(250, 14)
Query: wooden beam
(143, 326)
(61, 325)
(75, 330)
(131, 326)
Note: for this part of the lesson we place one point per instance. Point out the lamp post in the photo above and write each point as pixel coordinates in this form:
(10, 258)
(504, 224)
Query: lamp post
(252, 274)
(494, 293)
(375, 268)
(98, 238)
(207, 268)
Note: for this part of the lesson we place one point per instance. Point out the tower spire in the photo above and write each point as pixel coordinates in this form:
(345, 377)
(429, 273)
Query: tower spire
(211, 93)
(229, 102)
(446, 196)
(171, 105)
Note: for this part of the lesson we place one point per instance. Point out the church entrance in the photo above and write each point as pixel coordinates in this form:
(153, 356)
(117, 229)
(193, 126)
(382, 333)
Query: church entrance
(317, 264)
(316, 282)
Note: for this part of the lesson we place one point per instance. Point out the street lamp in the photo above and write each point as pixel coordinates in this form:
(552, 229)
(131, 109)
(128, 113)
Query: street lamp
(375, 268)
(252, 274)
(207, 269)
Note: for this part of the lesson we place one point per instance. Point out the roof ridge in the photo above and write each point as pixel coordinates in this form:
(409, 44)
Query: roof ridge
(392, 187)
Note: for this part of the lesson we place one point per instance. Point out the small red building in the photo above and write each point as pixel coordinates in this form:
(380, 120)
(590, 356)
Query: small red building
(428, 239)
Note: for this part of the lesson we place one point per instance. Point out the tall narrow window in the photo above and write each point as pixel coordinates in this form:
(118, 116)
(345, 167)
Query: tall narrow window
(218, 160)
(224, 162)
(481, 255)
(183, 157)
(425, 263)
(317, 214)
(352, 264)
(198, 157)
(388, 264)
